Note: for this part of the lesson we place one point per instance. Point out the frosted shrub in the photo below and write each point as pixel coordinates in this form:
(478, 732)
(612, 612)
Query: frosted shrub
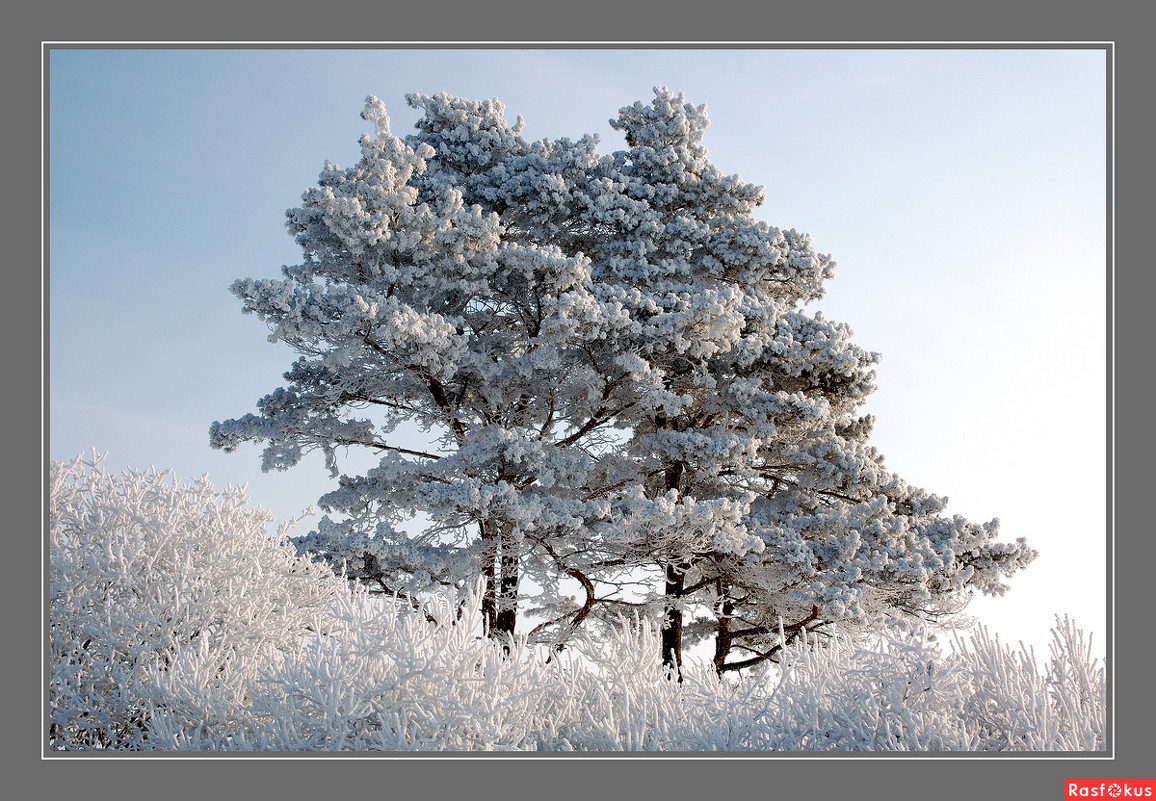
(1013, 706)
(177, 623)
(148, 576)
(902, 693)
(892, 694)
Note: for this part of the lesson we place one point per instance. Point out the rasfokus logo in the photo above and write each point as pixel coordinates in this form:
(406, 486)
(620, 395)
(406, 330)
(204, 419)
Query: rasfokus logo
(1109, 788)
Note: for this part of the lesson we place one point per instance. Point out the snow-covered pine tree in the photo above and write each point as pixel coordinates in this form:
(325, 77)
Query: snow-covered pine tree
(759, 405)
(414, 306)
(629, 389)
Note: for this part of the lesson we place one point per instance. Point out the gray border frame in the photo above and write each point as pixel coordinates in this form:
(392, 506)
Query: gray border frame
(1029, 778)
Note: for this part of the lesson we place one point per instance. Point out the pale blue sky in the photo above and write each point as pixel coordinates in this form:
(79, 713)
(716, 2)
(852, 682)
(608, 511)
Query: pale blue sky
(962, 193)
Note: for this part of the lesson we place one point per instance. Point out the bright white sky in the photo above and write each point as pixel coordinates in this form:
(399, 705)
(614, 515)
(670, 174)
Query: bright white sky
(962, 193)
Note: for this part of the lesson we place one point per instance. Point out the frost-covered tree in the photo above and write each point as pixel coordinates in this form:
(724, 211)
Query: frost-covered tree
(628, 390)
(759, 406)
(411, 305)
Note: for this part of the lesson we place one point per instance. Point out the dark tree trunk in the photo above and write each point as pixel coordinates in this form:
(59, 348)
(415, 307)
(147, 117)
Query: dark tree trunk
(724, 636)
(672, 621)
(500, 569)
(489, 572)
(507, 607)
(675, 584)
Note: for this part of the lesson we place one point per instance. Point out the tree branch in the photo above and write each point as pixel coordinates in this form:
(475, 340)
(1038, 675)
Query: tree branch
(795, 630)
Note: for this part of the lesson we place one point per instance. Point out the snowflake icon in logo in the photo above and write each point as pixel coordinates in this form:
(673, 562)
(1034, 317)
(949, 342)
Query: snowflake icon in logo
(1114, 790)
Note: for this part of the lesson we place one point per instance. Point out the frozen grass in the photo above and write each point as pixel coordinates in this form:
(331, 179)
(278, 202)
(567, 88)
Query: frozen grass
(176, 624)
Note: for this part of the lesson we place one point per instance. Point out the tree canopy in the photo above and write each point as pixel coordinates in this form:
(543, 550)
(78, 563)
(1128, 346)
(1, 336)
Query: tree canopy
(629, 403)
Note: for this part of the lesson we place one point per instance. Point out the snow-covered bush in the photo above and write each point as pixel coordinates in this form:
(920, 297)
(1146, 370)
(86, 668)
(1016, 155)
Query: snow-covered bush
(902, 692)
(177, 623)
(1012, 706)
(147, 576)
